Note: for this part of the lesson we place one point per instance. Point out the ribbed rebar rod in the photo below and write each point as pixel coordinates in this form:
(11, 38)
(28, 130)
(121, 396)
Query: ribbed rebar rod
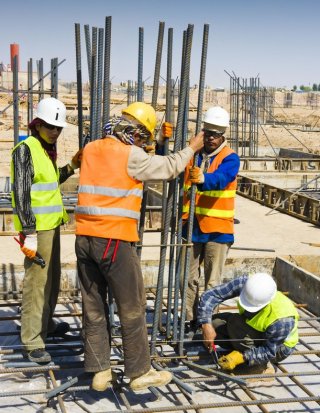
(98, 127)
(93, 85)
(79, 84)
(41, 78)
(29, 93)
(15, 91)
(140, 66)
(106, 73)
(157, 66)
(54, 77)
(88, 49)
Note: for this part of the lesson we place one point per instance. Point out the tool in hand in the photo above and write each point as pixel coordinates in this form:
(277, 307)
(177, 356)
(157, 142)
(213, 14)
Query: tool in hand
(214, 355)
(37, 258)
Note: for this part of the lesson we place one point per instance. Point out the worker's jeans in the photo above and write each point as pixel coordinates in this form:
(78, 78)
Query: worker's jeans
(120, 271)
(213, 256)
(40, 291)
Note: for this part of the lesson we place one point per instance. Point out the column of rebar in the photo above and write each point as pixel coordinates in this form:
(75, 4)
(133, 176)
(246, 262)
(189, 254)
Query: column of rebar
(88, 48)
(140, 66)
(193, 187)
(172, 190)
(79, 84)
(106, 77)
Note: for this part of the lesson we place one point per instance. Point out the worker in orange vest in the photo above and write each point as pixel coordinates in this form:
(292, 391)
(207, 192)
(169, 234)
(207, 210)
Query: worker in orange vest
(212, 232)
(112, 173)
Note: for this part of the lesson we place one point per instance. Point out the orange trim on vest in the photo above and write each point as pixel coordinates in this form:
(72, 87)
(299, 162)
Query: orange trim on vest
(109, 200)
(204, 201)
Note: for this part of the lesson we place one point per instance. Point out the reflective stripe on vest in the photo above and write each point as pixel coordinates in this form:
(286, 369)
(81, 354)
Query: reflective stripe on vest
(214, 209)
(46, 199)
(280, 307)
(109, 200)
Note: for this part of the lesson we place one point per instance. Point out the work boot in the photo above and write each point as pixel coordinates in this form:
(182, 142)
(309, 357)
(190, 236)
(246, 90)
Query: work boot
(151, 378)
(39, 355)
(258, 369)
(60, 330)
(103, 379)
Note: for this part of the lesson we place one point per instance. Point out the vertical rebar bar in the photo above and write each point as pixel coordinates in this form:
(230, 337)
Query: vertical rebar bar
(106, 77)
(79, 84)
(140, 66)
(30, 92)
(40, 79)
(88, 48)
(93, 85)
(15, 97)
(99, 84)
(157, 66)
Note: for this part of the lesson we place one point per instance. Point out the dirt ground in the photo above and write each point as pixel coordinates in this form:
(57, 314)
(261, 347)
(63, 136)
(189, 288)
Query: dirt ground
(296, 127)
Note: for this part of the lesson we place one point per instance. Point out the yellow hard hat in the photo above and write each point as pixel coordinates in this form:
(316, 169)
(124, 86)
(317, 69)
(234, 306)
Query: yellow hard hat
(144, 114)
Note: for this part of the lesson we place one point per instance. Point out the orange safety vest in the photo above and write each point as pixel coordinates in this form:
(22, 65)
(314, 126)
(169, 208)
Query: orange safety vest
(214, 209)
(109, 200)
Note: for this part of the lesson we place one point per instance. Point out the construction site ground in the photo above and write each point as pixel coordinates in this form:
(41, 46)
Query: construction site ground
(261, 236)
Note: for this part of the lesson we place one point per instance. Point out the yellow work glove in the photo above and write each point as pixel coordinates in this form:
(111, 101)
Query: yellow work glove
(231, 360)
(196, 175)
(166, 130)
(29, 245)
(76, 160)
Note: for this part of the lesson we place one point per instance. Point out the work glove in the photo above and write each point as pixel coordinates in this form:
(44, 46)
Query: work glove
(166, 130)
(76, 160)
(29, 245)
(196, 175)
(231, 360)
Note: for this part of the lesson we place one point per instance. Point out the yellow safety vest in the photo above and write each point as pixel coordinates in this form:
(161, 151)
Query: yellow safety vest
(279, 307)
(46, 199)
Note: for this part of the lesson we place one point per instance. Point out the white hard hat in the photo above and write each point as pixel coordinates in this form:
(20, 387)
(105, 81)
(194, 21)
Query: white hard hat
(258, 291)
(52, 111)
(216, 118)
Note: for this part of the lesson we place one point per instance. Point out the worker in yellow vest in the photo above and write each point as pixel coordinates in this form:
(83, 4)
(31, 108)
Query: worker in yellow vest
(38, 213)
(213, 227)
(112, 173)
(264, 330)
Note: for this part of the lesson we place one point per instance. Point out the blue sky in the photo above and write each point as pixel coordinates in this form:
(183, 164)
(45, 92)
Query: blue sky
(277, 40)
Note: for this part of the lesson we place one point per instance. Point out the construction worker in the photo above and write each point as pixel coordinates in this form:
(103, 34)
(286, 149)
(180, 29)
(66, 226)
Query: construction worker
(109, 201)
(264, 330)
(212, 232)
(38, 213)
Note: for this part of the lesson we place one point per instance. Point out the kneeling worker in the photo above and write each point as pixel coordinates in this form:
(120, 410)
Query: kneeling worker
(265, 329)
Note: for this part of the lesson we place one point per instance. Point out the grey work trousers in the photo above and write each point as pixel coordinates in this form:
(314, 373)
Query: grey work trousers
(213, 256)
(116, 267)
(40, 291)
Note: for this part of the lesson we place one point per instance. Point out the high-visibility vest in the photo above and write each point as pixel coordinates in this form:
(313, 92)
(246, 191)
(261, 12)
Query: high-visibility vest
(109, 200)
(214, 209)
(279, 307)
(46, 199)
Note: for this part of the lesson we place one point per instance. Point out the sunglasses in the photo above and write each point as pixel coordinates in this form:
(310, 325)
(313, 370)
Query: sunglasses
(213, 134)
(51, 127)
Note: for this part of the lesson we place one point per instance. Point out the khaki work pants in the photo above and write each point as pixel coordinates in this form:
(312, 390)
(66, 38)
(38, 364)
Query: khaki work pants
(213, 256)
(40, 291)
(117, 268)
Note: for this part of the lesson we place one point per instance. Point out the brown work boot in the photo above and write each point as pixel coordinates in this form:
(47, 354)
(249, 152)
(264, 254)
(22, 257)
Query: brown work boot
(258, 369)
(103, 379)
(151, 378)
